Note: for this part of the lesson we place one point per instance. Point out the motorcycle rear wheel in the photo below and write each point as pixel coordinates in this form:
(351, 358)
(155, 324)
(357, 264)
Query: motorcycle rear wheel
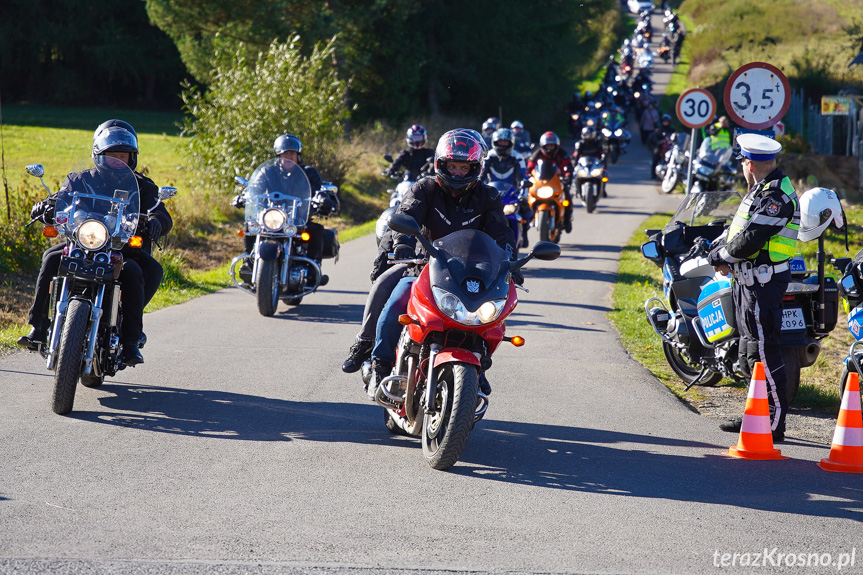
(446, 431)
(669, 182)
(685, 369)
(267, 288)
(69, 354)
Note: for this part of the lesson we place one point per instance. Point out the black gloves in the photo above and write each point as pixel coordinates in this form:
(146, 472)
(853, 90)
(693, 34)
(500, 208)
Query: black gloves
(323, 204)
(517, 277)
(154, 229)
(239, 201)
(43, 211)
(403, 252)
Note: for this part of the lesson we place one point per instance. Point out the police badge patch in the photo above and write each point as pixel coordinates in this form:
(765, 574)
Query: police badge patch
(773, 208)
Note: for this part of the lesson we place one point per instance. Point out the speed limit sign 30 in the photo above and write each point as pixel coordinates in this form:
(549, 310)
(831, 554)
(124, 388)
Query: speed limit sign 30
(757, 95)
(695, 108)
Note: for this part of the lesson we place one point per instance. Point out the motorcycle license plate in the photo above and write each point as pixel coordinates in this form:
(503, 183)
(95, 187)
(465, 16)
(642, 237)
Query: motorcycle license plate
(792, 319)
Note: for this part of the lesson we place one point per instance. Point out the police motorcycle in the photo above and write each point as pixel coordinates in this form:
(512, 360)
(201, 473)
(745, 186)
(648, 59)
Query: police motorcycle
(97, 216)
(696, 320)
(713, 169)
(408, 178)
(674, 162)
(278, 205)
(590, 179)
(455, 321)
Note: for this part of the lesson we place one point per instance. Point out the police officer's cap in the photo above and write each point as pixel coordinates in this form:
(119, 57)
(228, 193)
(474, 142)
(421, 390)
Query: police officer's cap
(757, 148)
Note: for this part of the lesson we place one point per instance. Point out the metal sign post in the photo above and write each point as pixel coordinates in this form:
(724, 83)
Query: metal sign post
(695, 109)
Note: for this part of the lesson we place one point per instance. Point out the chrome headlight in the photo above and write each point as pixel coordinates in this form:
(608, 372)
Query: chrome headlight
(92, 235)
(454, 309)
(545, 192)
(273, 219)
(510, 209)
(290, 231)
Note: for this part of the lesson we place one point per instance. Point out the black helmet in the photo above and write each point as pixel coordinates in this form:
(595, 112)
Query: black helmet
(460, 145)
(665, 118)
(501, 141)
(116, 136)
(288, 143)
(549, 142)
(416, 136)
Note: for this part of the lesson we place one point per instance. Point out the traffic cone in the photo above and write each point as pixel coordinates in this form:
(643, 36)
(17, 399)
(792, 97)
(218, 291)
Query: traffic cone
(846, 453)
(756, 439)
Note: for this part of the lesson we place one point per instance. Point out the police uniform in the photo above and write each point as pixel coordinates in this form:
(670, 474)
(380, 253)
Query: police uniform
(761, 241)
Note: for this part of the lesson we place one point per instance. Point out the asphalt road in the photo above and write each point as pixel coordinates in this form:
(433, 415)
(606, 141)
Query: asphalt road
(241, 447)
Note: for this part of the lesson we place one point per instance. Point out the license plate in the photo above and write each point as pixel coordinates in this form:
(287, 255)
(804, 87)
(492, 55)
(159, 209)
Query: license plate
(792, 319)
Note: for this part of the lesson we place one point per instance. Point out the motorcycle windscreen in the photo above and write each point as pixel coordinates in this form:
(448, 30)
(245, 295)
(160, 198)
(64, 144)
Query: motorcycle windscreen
(104, 190)
(705, 208)
(472, 266)
(278, 184)
(545, 169)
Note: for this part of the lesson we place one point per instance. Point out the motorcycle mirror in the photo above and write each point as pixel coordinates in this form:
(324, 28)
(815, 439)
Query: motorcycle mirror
(241, 180)
(841, 264)
(849, 286)
(388, 158)
(545, 251)
(650, 250)
(167, 192)
(404, 224)
(36, 170)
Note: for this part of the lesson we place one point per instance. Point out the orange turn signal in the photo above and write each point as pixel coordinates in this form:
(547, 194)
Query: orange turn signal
(405, 319)
(50, 232)
(516, 340)
(241, 233)
(305, 236)
(136, 242)
(565, 203)
(604, 178)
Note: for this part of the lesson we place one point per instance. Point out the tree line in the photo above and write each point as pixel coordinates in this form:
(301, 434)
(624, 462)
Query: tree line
(402, 58)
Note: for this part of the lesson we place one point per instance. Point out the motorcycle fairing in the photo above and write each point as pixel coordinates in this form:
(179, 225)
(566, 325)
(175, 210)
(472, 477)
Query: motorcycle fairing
(456, 355)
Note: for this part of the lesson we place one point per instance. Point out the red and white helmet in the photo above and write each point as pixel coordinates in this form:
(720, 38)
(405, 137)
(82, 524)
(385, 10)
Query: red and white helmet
(460, 145)
(549, 142)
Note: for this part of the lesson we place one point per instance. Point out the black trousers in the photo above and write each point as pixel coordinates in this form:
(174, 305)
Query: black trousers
(139, 280)
(758, 311)
(316, 241)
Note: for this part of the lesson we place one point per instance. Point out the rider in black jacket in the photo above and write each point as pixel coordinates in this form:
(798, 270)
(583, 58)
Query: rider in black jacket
(141, 274)
(454, 200)
(415, 157)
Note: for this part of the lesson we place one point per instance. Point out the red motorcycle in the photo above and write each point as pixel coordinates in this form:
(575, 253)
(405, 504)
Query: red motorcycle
(455, 320)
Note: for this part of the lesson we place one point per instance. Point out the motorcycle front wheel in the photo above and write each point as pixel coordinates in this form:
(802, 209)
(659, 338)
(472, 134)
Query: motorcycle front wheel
(446, 430)
(69, 354)
(669, 182)
(267, 287)
(685, 368)
(543, 224)
(591, 192)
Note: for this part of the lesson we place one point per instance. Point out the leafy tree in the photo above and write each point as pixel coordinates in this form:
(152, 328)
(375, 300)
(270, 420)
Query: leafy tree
(252, 101)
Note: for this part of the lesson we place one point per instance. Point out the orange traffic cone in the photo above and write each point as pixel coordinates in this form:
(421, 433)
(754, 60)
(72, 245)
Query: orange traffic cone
(756, 439)
(846, 453)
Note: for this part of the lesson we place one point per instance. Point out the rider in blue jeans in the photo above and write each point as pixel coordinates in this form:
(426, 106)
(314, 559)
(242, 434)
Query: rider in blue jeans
(455, 199)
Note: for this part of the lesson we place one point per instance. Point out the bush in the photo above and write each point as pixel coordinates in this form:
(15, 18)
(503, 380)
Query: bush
(21, 247)
(249, 104)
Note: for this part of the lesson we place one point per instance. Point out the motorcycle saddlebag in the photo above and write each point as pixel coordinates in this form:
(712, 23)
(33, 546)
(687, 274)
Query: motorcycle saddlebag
(716, 311)
(331, 243)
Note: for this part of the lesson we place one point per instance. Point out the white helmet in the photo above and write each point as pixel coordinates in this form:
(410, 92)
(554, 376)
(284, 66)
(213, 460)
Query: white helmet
(818, 208)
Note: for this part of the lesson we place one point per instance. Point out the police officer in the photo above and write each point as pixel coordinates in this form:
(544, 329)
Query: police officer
(760, 242)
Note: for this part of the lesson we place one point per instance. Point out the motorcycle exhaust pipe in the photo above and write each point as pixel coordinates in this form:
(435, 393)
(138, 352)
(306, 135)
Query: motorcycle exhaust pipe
(809, 353)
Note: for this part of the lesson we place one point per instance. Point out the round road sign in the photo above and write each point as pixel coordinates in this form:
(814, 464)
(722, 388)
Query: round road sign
(757, 95)
(695, 108)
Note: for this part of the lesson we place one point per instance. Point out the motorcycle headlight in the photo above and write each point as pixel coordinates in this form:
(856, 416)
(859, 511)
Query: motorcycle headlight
(273, 219)
(545, 192)
(618, 132)
(582, 173)
(290, 231)
(596, 172)
(454, 309)
(510, 209)
(92, 235)
(606, 132)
